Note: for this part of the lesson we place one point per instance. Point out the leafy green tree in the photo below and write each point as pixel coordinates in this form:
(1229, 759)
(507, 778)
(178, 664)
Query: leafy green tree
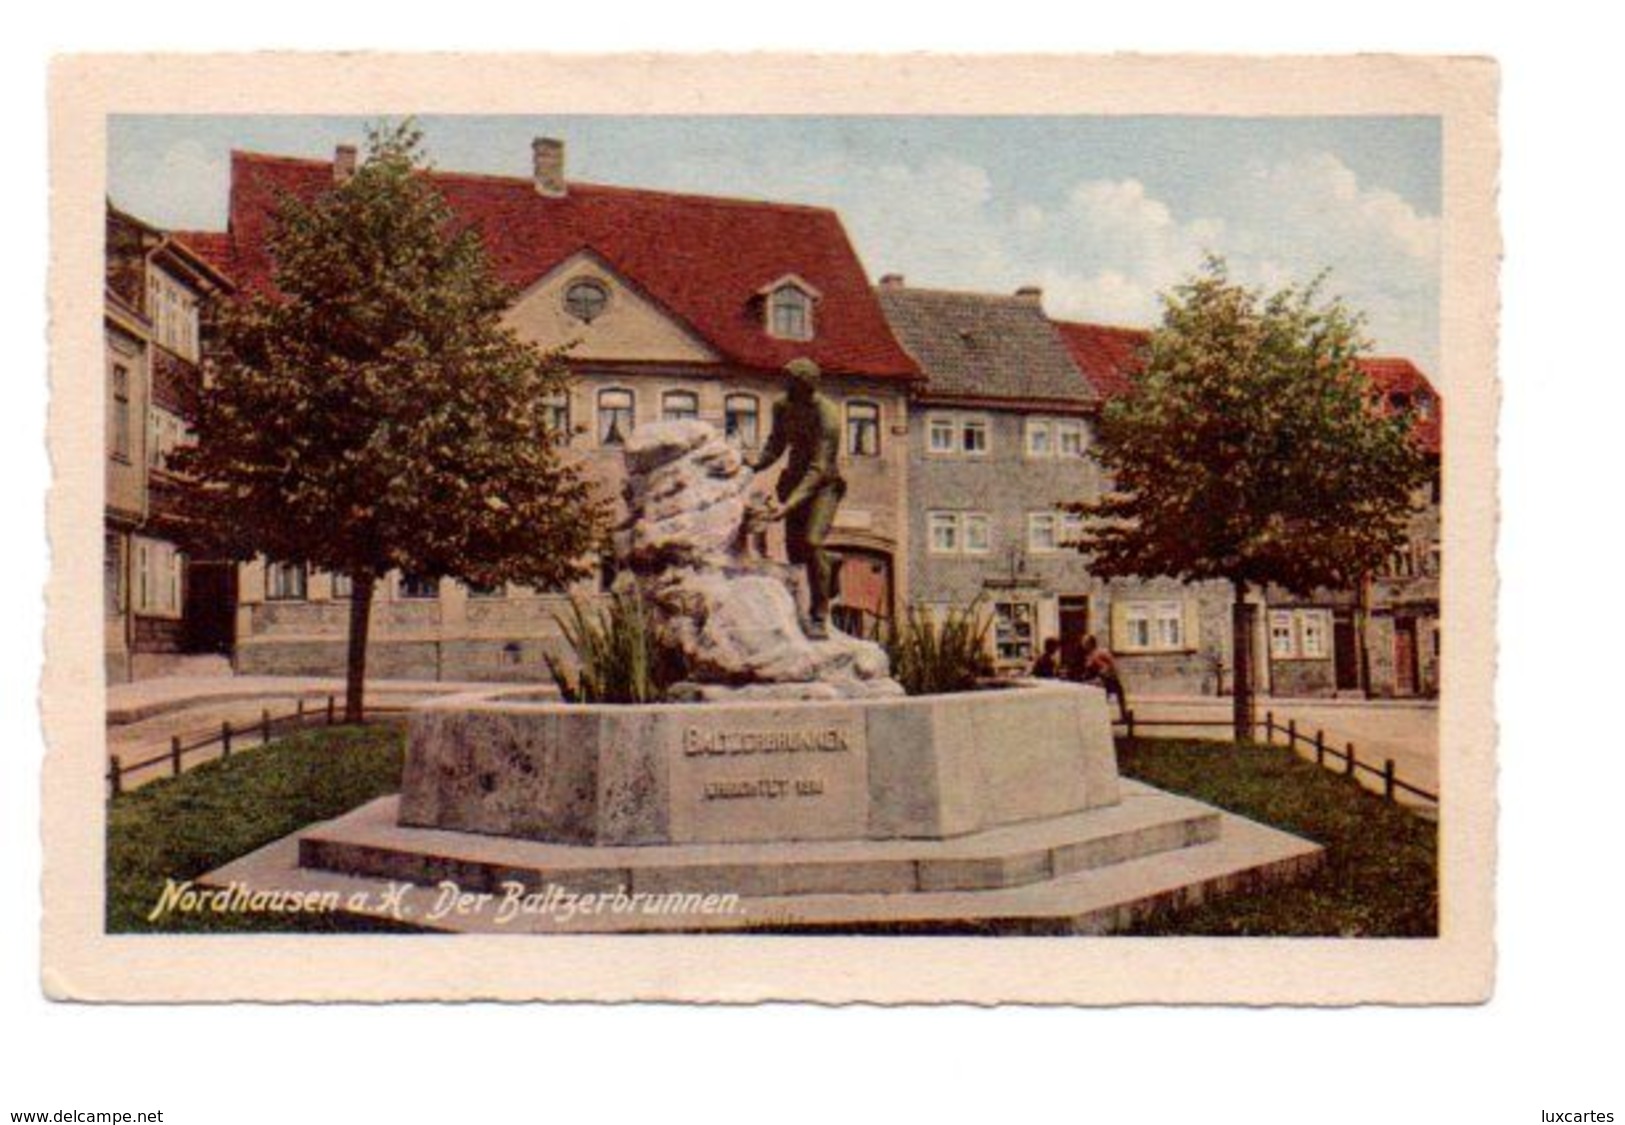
(373, 412)
(1251, 449)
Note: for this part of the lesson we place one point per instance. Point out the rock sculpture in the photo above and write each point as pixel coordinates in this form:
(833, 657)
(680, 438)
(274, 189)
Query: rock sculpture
(731, 612)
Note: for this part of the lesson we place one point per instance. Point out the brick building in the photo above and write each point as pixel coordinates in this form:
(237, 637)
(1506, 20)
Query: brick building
(159, 604)
(675, 306)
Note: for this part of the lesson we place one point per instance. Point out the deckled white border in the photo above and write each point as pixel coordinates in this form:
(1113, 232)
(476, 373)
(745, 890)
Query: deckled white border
(83, 963)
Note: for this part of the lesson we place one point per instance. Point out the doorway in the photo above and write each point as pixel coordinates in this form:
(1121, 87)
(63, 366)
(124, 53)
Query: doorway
(1405, 677)
(1345, 654)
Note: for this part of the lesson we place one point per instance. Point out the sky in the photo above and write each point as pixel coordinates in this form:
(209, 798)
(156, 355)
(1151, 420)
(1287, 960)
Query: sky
(1104, 213)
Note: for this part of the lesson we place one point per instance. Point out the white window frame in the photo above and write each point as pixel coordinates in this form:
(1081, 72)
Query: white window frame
(945, 522)
(730, 409)
(599, 412)
(1070, 530)
(1291, 630)
(1160, 623)
(1283, 637)
(159, 567)
(1070, 427)
(786, 297)
(689, 410)
(849, 444)
(976, 533)
(277, 588)
(938, 425)
(1038, 520)
(1032, 430)
(556, 414)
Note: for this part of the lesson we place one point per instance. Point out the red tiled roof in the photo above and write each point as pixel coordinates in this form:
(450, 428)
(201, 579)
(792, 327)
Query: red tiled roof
(214, 247)
(1109, 357)
(1396, 376)
(702, 258)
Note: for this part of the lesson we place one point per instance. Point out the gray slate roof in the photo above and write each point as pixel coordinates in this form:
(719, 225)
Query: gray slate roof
(985, 345)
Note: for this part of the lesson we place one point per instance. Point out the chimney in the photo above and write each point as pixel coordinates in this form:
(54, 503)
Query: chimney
(343, 163)
(547, 162)
(1031, 293)
(891, 281)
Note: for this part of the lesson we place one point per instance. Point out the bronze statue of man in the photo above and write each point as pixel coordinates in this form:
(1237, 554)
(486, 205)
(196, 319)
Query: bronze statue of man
(807, 425)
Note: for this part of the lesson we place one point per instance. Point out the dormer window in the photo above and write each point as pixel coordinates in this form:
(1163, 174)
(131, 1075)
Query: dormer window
(585, 299)
(789, 302)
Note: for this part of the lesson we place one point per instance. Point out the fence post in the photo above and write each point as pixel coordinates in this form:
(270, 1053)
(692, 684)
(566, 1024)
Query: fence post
(1348, 764)
(1128, 718)
(265, 725)
(1388, 779)
(225, 738)
(175, 754)
(1269, 728)
(115, 774)
(299, 712)
(330, 710)
(1292, 735)
(1320, 748)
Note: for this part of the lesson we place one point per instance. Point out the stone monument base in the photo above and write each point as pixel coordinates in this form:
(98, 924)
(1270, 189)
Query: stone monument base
(1087, 873)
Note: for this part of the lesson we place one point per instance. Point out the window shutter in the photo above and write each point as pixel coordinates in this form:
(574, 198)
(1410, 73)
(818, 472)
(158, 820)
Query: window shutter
(1193, 624)
(1119, 626)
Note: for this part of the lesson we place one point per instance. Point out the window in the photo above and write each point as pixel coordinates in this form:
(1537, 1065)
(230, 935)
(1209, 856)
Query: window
(741, 418)
(285, 582)
(1069, 438)
(959, 533)
(419, 586)
(1041, 532)
(158, 570)
(166, 432)
(1071, 529)
(343, 586)
(556, 415)
(974, 436)
(615, 418)
(586, 299)
(1040, 437)
(977, 540)
(1300, 634)
(1151, 626)
(863, 429)
(1283, 643)
(1423, 402)
(121, 412)
(113, 573)
(941, 435)
(1013, 631)
(173, 311)
(475, 590)
(789, 313)
(679, 406)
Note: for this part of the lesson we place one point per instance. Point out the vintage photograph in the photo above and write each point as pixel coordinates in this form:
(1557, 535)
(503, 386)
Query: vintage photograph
(1028, 527)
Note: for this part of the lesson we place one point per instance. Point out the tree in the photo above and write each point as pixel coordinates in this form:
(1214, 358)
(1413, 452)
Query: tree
(372, 413)
(1251, 449)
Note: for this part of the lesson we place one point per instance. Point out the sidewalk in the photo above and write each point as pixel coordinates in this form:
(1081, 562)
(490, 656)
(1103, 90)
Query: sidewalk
(142, 699)
(1402, 729)
(142, 717)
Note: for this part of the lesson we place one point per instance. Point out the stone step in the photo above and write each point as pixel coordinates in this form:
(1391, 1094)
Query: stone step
(1090, 900)
(370, 843)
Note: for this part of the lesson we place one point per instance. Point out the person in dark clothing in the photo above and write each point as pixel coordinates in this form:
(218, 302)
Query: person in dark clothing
(1099, 668)
(1048, 664)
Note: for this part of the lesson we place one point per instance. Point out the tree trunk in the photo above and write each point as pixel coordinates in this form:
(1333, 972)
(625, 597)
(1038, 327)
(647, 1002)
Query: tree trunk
(355, 670)
(1241, 644)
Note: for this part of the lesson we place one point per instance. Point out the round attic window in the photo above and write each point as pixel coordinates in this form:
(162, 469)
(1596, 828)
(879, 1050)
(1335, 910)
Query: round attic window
(585, 299)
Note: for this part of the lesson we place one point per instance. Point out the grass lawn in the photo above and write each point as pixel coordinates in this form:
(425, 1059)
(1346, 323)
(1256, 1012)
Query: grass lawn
(1380, 875)
(183, 827)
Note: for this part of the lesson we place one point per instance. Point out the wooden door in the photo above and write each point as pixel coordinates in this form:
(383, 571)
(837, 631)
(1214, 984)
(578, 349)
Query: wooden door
(1405, 657)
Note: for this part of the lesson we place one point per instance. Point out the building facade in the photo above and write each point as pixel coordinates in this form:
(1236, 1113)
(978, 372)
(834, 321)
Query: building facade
(671, 306)
(160, 604)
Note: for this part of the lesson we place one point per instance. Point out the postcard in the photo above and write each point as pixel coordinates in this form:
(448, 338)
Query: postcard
(1002, 529)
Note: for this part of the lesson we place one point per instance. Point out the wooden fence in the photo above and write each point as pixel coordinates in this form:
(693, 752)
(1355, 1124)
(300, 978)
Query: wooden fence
(1326, 756)
(237, 735)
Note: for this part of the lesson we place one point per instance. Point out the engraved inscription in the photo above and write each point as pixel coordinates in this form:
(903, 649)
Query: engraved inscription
(826, 740)
(771, 788)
